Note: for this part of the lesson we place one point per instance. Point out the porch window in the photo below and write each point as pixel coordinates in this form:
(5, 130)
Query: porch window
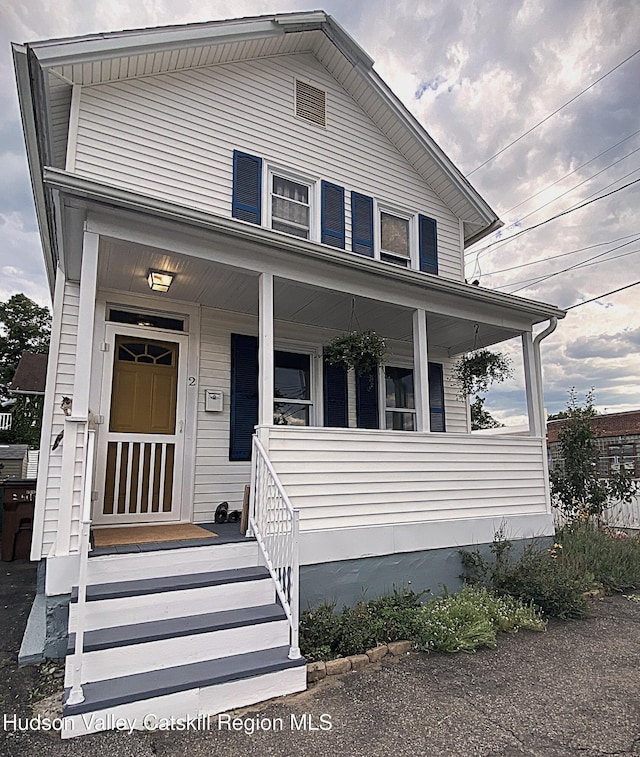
(293, 404)
(400, 410)
(290, 206)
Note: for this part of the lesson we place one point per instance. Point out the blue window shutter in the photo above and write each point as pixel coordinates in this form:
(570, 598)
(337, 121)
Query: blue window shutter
(244, 395)
(334, 382)
(362, 224)
(332, 216)
(367, 400)
(436, 397)
(247, 187)
(428, 244)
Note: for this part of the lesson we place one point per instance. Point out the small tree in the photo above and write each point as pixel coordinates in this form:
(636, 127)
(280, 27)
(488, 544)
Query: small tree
(24, 325)
(480, 417)
(576, 484)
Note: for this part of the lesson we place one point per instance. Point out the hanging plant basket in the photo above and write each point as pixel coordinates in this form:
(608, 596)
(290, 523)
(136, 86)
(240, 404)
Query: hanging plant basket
(363, 351)
(476, 371)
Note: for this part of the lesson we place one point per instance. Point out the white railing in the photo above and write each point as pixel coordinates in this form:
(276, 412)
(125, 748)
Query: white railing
(5, 421)
(275, 525)
(76, 695)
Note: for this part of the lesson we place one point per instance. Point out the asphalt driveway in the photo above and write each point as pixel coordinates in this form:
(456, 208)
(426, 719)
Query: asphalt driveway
(574, 690)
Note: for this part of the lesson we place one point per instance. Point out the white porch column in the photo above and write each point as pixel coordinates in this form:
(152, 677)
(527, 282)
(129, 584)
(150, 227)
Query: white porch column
(534, 409)
(80, 399)
(86, 313)
(265, 351)
(421, 370)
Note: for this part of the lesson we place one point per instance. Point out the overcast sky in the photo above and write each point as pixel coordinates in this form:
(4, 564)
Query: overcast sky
(477, 74)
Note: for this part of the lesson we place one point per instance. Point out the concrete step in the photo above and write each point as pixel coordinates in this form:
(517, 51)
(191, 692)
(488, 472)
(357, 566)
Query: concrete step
(144, 600)
(185, 691)
(157, 561)
(156, 645)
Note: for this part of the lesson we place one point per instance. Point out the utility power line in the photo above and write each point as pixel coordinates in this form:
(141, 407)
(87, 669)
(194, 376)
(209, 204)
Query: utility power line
(559, 215)
(555, 257)
(576, 186)
(546, 118)
(583, 264)
(600, 296)
(566, 176)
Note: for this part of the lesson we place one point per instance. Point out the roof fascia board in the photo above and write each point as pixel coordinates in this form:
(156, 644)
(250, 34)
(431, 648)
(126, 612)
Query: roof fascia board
(25, 99)
(87, 189)
(83, 50)
(431, 146)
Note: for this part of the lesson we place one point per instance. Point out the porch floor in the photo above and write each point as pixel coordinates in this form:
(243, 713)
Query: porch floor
(227, 533)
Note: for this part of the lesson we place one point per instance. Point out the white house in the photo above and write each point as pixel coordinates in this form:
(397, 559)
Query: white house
(264, 167)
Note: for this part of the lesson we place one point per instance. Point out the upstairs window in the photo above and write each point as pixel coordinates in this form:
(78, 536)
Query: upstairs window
(290, 206)
(395, 239)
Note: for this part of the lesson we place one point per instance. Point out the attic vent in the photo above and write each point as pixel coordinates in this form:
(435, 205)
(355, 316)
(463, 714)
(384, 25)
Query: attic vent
(311, 103)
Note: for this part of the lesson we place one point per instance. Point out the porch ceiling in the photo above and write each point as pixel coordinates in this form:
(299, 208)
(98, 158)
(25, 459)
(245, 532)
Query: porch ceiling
(123, 267)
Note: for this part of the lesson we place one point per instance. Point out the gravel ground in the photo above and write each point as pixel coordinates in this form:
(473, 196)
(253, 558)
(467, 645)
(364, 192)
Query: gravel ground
(574, 690)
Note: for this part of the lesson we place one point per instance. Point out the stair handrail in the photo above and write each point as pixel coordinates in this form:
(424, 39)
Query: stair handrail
(275, 524)
(76, 695)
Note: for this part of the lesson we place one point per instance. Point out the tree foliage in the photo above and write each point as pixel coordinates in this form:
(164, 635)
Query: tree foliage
(481, 418)
(576, 484)
(24, 326)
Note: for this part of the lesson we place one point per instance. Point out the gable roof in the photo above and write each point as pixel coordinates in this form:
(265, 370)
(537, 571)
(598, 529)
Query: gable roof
(47, 71)
(31, 374)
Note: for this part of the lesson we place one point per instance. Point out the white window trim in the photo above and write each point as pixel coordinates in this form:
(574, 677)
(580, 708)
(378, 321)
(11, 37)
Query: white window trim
(384, 207)
(316, 412)
(274, 169)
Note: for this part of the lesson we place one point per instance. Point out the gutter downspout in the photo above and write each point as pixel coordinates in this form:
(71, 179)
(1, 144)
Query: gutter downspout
(553, 323)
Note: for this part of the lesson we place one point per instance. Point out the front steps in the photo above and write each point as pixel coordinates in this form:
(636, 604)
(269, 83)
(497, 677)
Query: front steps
(187, 637)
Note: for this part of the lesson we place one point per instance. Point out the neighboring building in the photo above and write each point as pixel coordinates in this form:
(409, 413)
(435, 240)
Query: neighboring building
(217, 202)
(26, 389)
(31, 375)
(13, 461)
(617, 438)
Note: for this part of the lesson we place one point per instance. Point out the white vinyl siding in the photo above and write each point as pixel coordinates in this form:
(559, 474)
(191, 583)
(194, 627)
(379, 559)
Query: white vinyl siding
(351, 479)
(172, 136)
(63, 387)
(217, 479)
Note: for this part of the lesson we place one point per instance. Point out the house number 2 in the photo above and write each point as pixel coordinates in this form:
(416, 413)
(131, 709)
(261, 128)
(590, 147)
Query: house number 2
(192, 380)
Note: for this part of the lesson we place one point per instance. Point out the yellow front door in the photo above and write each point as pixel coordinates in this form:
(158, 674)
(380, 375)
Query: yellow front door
(142, 434)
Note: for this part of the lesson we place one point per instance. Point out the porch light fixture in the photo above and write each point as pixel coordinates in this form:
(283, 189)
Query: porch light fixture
(159, 281)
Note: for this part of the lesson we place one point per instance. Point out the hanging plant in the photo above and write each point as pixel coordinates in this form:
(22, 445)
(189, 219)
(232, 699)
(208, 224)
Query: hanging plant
(476, 371)
(363, 351)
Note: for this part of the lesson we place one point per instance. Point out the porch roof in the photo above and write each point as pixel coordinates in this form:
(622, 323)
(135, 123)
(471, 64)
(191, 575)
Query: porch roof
(217, 261)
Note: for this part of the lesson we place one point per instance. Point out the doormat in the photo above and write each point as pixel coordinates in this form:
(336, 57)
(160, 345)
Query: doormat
(112, 537)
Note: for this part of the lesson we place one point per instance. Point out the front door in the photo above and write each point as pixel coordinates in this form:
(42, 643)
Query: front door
(141, 440)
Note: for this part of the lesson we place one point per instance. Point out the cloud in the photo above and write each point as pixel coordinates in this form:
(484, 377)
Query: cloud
(477, 74)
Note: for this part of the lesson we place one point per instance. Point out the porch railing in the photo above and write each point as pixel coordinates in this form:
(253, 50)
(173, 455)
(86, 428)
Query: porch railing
(275, 525)
(5, 421)
(76, 695)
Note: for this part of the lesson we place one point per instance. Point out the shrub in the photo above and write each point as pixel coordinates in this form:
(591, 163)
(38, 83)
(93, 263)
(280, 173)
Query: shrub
(613, 558)
(453, 623)
(542, 576)
(397, 613)
(318, 632)
(470, 619)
